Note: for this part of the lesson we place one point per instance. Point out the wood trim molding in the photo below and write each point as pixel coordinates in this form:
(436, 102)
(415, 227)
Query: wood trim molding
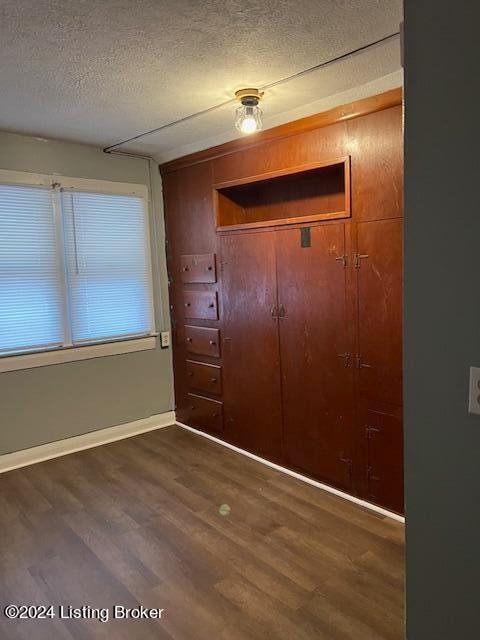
(349, 111)
(18, 459)
(320, 485)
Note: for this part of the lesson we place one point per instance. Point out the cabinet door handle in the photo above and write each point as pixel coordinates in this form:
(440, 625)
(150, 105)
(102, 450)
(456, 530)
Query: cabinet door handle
(346, 357)
(212, 342)
(274, 312)
(213, 380)
(187, 304)
(281, 312)
(358, 258)
(211, 305)
(189, 340)
(362, 365)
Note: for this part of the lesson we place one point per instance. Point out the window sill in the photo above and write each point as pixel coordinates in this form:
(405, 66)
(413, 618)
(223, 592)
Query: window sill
(60, 356)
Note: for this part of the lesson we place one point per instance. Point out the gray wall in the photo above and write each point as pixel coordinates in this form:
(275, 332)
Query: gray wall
(442, 319)
(49, 403)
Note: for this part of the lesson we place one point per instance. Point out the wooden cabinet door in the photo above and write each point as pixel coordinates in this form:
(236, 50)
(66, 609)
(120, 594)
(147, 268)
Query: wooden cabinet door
(385, 458)
(317, 378)
(379, 280)
(251, 372)
(379, 273)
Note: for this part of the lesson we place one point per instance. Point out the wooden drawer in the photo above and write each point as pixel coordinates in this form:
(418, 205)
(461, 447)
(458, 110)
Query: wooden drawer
(200, 304)
(202, 340)
(205, 377)
(205, 413)
(198, 268)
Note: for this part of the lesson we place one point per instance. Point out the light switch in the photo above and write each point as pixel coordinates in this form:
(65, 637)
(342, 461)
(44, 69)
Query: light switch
(474, 396)
(165, 340)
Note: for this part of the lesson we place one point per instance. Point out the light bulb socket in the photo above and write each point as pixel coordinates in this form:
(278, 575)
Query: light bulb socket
(249, 101)
(249, 97)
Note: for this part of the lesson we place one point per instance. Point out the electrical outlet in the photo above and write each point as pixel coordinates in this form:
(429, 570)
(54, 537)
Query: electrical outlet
(165, 339)
(474, 395)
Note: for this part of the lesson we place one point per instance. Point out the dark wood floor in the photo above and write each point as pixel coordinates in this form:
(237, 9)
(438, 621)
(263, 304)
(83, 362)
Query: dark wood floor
(137, 522)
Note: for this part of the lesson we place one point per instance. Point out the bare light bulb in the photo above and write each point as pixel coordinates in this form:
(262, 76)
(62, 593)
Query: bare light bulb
(248, 117)
(248, 125)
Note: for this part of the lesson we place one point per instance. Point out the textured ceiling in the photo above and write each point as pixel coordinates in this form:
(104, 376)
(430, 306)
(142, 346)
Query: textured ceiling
(100, 72)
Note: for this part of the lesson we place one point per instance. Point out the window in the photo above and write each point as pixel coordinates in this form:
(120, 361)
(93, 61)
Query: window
(30, 283)
(74, 264)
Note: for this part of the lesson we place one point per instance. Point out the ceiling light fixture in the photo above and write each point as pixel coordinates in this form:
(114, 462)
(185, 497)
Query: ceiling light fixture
(248, 117)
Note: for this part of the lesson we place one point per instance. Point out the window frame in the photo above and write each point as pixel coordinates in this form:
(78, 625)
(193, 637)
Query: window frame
(68, 352)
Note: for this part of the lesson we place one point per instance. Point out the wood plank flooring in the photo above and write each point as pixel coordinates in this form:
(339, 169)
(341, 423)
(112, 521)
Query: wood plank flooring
(137, 522)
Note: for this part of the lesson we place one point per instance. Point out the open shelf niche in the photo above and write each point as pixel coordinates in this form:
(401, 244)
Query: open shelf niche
(304, 193)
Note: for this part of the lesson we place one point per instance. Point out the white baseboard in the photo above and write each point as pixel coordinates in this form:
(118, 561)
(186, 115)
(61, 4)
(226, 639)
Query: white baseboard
(299, 476)
(10, 461)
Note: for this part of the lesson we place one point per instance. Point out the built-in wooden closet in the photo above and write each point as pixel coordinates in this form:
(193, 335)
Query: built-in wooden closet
(285, 265)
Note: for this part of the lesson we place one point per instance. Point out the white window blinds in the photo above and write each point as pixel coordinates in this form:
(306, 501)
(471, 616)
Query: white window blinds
(108, 271)
(74, 268)
(30, 289)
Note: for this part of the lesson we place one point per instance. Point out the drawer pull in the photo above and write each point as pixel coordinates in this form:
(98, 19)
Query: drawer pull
(215, 415)
(209, 268)
(187, 304)
(185, 268)
(213, 379)
(193, 407)
(212, 342)
(189, 339)
(211, 305)
(190, 373)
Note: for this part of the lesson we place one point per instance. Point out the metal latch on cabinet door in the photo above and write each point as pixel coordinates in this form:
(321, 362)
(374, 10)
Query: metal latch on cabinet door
(343, 260)
(370, 431)
(360, 364)
(370, 475)
(346, 357)
(349, 464)
(358, 258)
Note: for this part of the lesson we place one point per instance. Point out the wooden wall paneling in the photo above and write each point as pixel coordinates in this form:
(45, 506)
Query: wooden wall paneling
(198, 268)
(204, 377)
(376, 147)
(342, 113)
(316, 359)
(200, 304)
(173, 245)
(251, 373)
(311, 147)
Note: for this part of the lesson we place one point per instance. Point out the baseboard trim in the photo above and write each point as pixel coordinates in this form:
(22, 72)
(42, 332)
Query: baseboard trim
(25, 457)
(298, 476)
